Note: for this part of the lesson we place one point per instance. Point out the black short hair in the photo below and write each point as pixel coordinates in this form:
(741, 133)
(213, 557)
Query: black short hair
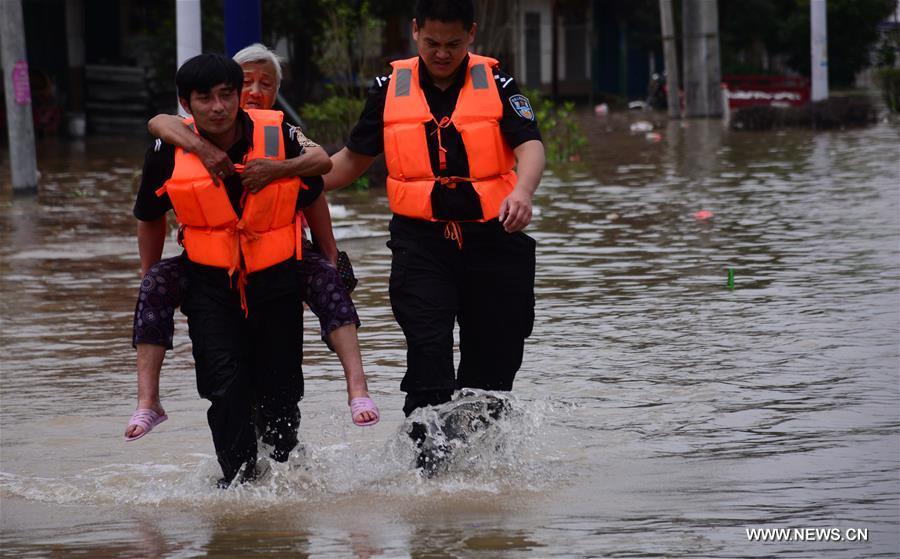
(447, 11)
(205, 71)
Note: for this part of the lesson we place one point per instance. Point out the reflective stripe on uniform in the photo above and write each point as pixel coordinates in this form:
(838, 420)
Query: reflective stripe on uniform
(479, 77)
(272, 140)
(404, 76)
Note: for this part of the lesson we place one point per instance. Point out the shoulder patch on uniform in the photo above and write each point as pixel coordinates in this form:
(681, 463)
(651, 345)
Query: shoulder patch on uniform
(382, 80)
(157, 145)
(522, 106)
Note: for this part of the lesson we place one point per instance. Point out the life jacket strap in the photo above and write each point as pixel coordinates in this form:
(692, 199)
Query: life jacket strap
(237, 263)
(442, 151)
(453, 231)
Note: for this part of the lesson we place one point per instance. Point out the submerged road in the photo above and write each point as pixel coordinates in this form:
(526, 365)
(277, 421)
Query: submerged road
(659, 413)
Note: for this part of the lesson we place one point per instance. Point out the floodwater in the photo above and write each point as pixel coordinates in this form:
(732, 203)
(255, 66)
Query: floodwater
(658, 412)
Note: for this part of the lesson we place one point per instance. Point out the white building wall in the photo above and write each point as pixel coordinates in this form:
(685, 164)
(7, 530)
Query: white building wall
(544, 7)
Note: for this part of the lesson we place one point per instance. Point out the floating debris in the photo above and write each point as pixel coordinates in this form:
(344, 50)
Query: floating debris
(641, 126)
(637, 106)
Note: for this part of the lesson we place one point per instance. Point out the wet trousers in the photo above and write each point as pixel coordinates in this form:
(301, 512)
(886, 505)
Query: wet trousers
(249, 368)
(484, 282)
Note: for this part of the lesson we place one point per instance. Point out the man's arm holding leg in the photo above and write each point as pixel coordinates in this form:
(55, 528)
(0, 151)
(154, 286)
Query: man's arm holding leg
(319, 219)
(151, 239)
(515, 211)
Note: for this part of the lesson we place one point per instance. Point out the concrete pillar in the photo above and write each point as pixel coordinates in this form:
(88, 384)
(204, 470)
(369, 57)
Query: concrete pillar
(19, 123)
(710, 19)
(694, 94)
(819, 44)
(670, 54)
(75, 54)
(702, 69)
(187, 32)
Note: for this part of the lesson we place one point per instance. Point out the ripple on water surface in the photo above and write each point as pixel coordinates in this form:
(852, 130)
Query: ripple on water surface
(662, 413)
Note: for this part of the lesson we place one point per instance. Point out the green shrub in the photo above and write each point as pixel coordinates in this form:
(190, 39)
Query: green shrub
(831, 113)
(330, 122)
(889, 80)
(563, 137)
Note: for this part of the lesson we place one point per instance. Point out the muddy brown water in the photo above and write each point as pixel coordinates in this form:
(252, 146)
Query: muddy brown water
(659, 412)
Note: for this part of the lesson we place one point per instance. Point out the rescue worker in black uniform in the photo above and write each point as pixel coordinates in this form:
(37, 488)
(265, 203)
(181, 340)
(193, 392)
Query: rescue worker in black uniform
(452, 127)
(244, 319)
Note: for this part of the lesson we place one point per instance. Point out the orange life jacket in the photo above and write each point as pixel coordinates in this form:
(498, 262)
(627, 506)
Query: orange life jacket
(476, 117)
(266, 233)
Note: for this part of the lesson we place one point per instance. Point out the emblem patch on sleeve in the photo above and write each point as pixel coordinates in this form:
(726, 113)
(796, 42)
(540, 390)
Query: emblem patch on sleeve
(522, 106)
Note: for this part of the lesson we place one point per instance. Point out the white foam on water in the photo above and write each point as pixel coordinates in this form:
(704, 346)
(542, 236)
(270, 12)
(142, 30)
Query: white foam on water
(513, 453)
(351, 232)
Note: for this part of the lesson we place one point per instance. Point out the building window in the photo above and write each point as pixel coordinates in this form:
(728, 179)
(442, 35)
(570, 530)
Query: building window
(533, 49)
(576, 46)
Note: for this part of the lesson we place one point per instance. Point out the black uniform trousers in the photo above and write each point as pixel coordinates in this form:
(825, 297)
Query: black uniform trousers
(486, 286)
(249, 368)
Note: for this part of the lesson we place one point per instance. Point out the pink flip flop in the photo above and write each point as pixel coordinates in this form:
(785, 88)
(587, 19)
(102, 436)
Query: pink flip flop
(359, 405)
(146, 419)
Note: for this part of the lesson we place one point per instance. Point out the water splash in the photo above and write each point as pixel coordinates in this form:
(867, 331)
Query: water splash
(480, 439)
(512, 451)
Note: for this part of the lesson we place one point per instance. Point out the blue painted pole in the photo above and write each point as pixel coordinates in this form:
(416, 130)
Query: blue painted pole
(243, 24)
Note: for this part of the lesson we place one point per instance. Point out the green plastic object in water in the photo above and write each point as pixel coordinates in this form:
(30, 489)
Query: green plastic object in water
(730, 278)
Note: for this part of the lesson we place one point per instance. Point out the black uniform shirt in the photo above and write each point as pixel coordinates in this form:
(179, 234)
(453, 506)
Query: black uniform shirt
(461, 202)
(159, 164)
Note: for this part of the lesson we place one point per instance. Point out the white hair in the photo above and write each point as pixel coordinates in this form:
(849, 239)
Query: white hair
(258, 52)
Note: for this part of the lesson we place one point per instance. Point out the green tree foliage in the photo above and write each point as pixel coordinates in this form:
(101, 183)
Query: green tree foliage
(749, 34)
(158, 39)
(889, 80)
(350, 35)
(852, 31)
(753, 30)
(335, 40)
(642, 18)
